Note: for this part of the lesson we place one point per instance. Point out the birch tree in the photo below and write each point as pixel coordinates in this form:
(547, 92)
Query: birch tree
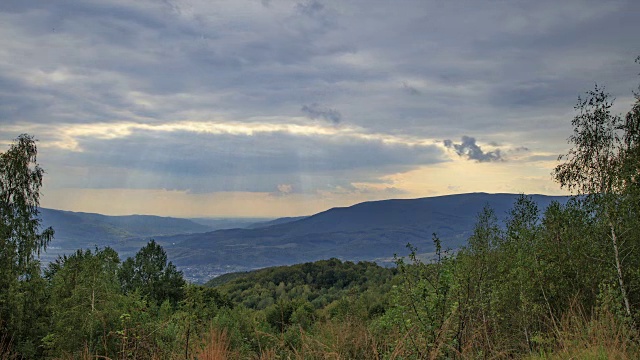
(602, 168)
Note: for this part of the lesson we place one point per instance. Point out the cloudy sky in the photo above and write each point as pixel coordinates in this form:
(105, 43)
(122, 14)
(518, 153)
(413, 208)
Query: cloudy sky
(289, 107)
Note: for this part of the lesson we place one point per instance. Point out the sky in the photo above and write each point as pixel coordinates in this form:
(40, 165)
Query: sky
(267, 108)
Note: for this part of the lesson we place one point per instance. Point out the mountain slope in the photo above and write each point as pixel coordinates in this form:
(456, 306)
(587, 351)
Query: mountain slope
(230, 223)
(75, 230)
(367, 231)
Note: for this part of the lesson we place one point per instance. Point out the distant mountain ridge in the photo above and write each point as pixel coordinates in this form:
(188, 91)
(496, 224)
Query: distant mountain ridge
(72, 223)
(126, 234)
(278, 221)
(373, 230)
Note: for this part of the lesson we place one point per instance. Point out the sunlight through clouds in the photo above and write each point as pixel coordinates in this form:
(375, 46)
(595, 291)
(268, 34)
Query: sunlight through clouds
(67, 135)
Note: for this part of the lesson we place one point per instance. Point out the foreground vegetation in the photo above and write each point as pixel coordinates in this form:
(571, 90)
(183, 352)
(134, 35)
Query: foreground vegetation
(557, 283)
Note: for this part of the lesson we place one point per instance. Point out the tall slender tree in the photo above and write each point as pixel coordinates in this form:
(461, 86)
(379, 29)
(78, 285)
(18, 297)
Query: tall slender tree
(602, 167)
(21, 240)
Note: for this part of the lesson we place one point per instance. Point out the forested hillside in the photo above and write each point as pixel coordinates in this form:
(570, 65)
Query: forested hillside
(319, 283)
(554, 283)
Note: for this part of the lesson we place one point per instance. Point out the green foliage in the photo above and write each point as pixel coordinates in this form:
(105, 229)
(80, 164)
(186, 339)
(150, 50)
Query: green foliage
(279, 314)
(320, 283)
(603, 167)
(568, 257)
(150, 274)
(477, 278)
(514, 294)
(422, 305)
(20, 182)
(247, 329)
(21, 290)
(591, 164)
(84, 303)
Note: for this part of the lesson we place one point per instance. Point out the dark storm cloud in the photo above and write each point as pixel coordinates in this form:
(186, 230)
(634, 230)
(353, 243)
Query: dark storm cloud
(469, 149)
(317, 111)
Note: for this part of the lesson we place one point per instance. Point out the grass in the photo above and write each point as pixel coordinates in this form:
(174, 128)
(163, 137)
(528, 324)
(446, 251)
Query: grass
(216, 346)
(600, 336)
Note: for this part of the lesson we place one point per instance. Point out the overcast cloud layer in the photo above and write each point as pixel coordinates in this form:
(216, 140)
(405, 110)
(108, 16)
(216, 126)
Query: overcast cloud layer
(311, 97)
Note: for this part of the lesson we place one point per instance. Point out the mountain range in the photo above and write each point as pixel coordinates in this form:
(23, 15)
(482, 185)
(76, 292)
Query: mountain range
(372, 231)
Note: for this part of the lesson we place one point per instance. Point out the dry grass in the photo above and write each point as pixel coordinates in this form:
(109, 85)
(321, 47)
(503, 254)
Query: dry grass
(217, 346)
(269, 354)
(335, 340)
(348, 339)
(601, 336)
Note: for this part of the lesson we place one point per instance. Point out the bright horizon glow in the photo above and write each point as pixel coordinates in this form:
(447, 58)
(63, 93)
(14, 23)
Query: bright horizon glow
(516, 178)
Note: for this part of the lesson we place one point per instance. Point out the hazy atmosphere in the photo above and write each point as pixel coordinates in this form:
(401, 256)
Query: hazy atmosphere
(279, 108)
